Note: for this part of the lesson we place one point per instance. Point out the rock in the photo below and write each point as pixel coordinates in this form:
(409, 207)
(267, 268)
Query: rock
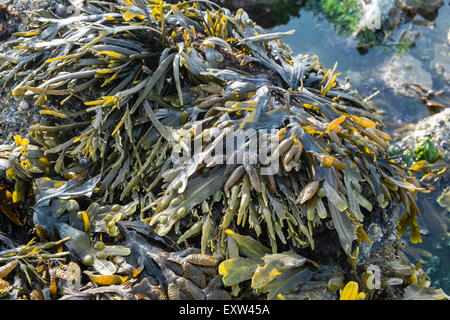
(266, 13)
(422, 7)
(410, 6)
(8, 22)
(23, 105)
(404, 69)
(437, 127)
(61, 10)
(379, 14)
(408, 37)
(441, 61)
(444, 199)
(389, 14)
(429, 7)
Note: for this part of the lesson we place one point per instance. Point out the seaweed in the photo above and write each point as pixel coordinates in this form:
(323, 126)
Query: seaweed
(137, 113)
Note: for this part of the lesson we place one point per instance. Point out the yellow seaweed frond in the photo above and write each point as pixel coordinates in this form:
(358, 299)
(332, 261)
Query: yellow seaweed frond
(107, 280)
(364, 122)
(69, 56)
(330, 85)
(21, 142)
(335, 123)
(350, 292)
(54, 113)
(27, 33)
(87, 224)
(311, 106)
(130, 15)
(118, 127)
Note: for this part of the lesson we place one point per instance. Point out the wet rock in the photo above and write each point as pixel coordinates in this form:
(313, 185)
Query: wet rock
(402, 70)
(379, 14)
(23, 8)
(437, 127)
(410, 6)
(266, 13)
(23, 105)
(441, 61)
(61, 10)
(356, 78)
(390, 14)
(422, 7)
(444, 199)
(8, 21)
(429, 7)
(409, 37)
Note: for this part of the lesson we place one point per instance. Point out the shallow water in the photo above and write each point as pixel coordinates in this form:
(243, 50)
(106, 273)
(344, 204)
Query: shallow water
(314, 35)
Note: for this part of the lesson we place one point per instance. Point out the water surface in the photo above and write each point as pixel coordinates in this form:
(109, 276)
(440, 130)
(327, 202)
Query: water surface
(314, 35)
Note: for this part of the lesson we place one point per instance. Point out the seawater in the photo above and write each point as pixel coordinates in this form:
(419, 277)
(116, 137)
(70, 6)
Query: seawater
(315, 35)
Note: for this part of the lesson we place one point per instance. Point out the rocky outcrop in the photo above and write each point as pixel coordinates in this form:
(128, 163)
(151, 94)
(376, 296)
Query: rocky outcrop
(441, 61)
(401, 71)
(436, 127)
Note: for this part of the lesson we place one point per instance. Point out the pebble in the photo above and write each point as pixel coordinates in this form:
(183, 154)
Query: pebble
(23, 105)
(61, 10)
(409, 37)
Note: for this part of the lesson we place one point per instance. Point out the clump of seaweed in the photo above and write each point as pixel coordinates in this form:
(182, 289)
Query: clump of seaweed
(424, 152)
(126, 86)
(345, 14)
